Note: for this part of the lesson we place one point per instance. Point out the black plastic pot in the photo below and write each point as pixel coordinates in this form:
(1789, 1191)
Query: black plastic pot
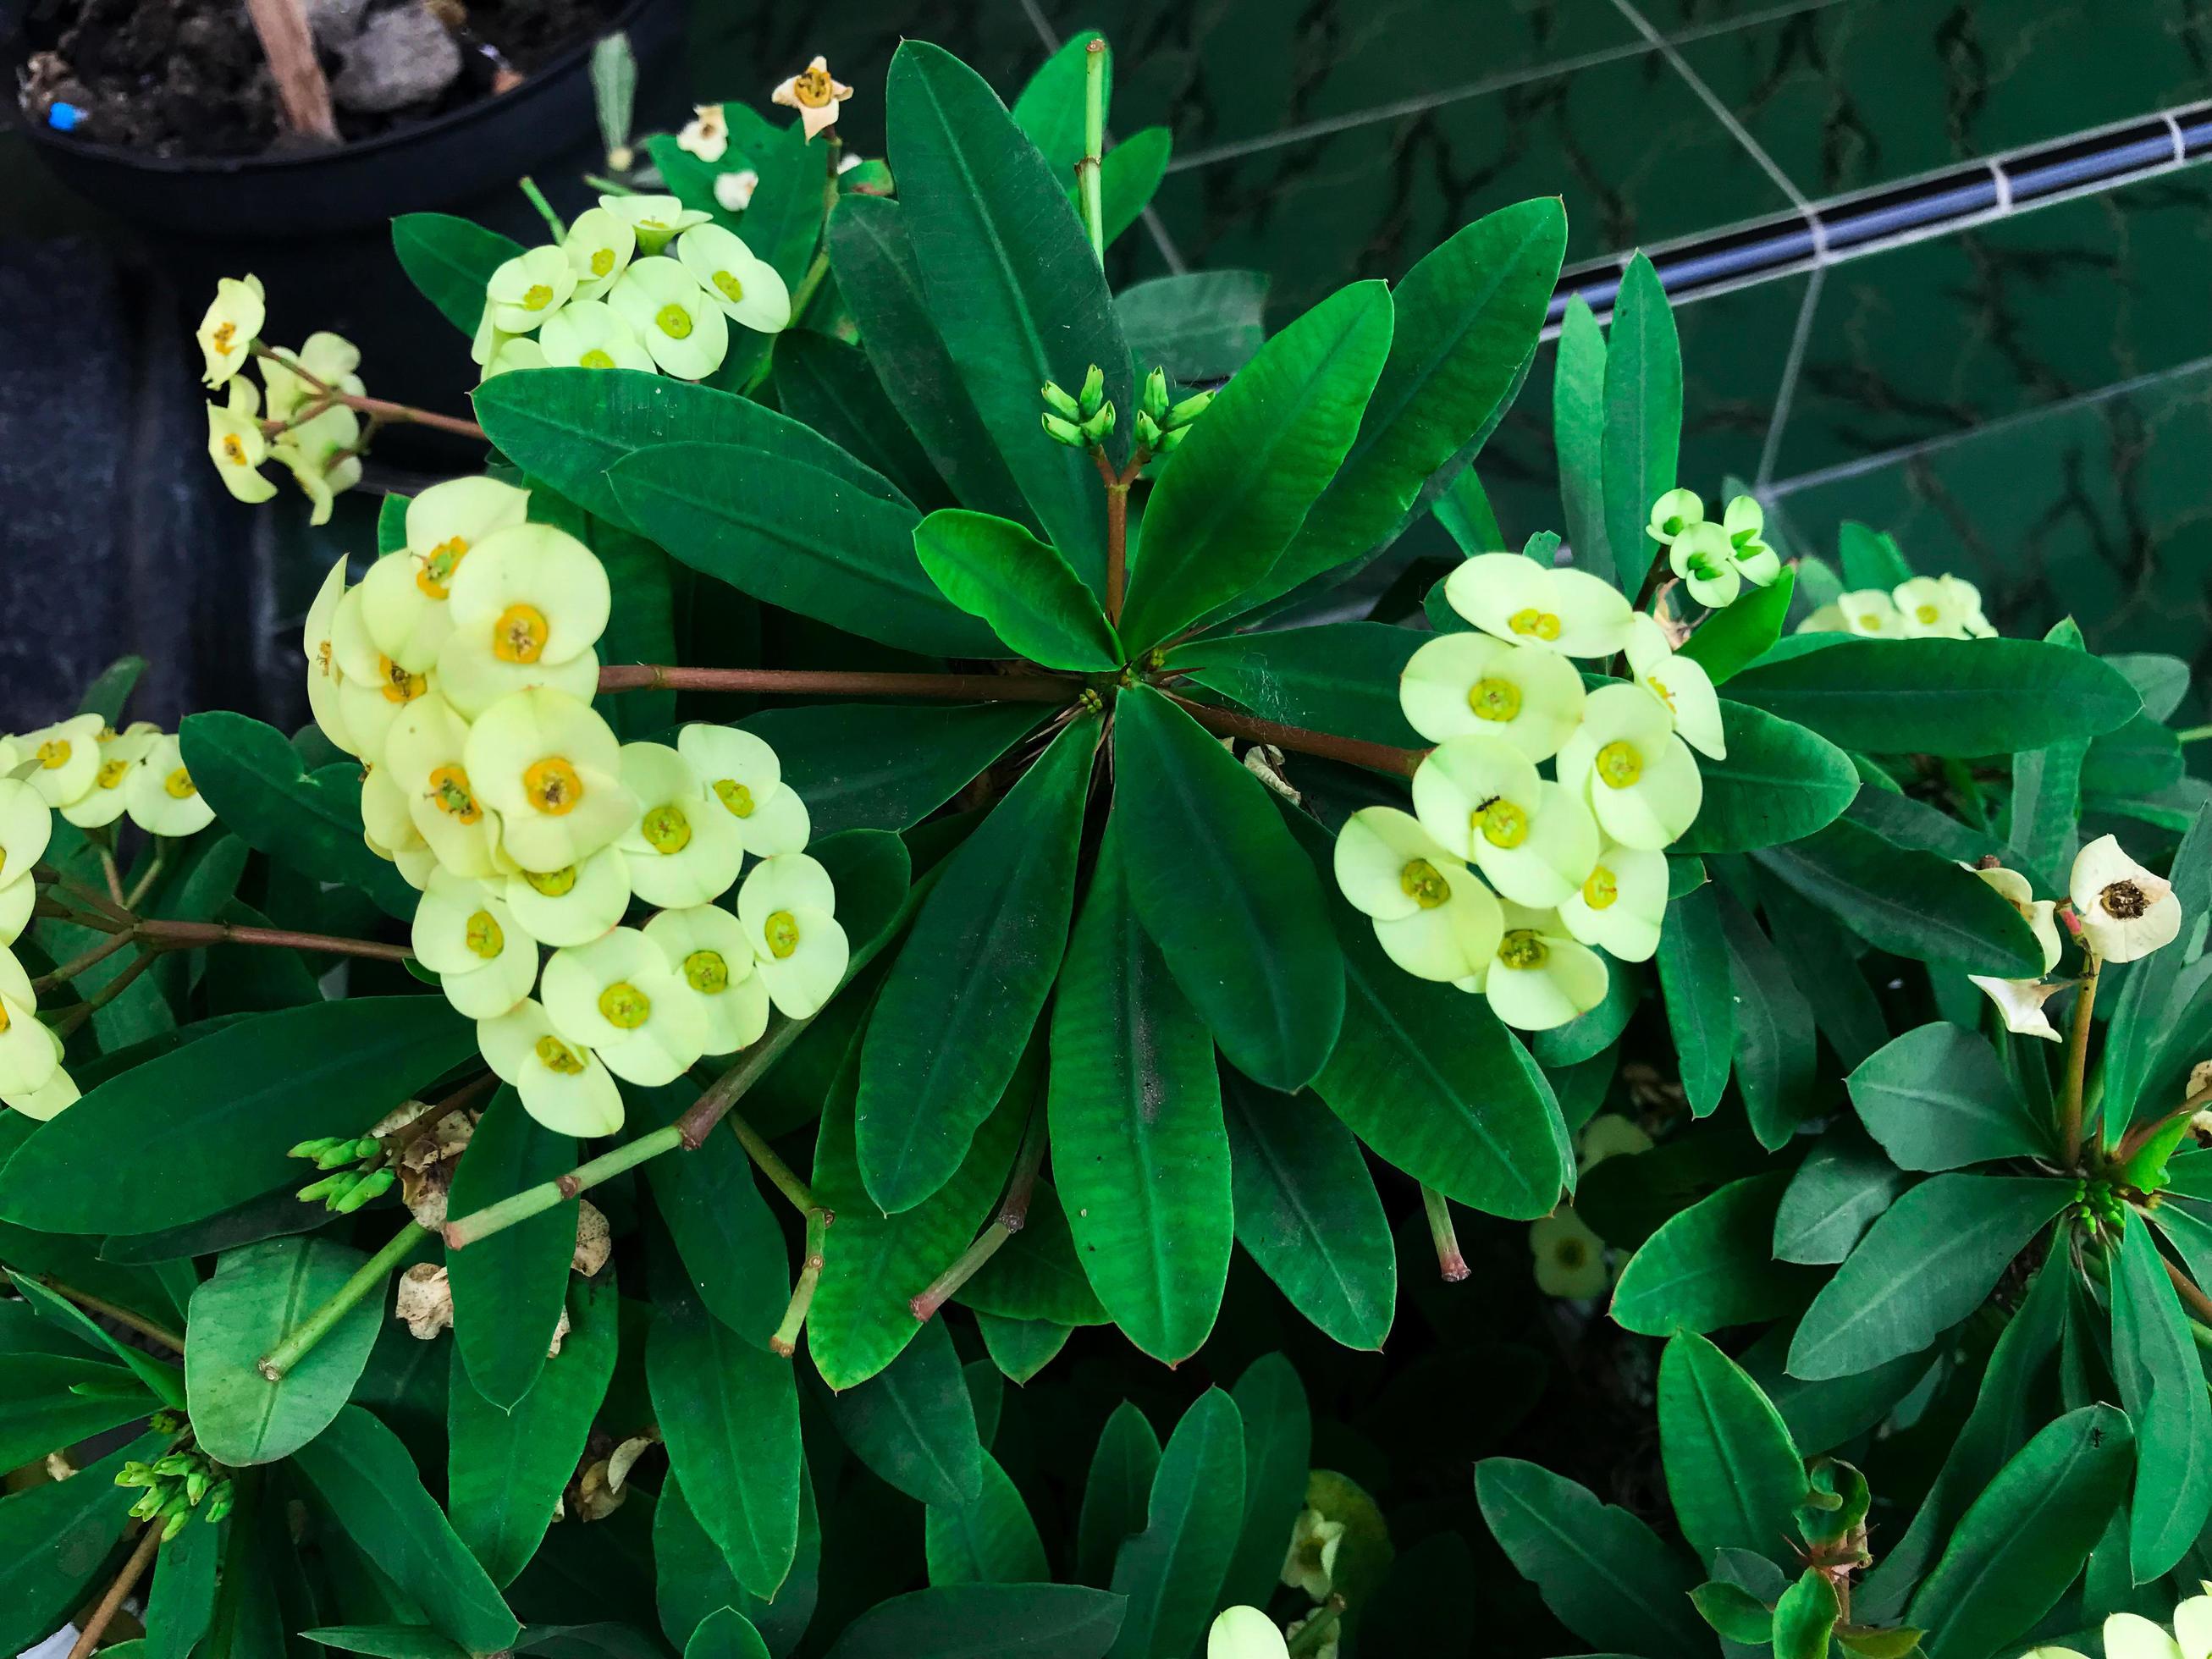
(448, 158)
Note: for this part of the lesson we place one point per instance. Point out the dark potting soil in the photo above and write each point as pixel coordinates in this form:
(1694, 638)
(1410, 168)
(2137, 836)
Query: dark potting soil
(187, 77)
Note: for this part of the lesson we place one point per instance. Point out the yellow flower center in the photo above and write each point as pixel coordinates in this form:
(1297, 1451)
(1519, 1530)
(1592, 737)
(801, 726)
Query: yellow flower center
(233, 450)
(1521, 949)
(1493, 699)
(54, 753)
(449, 790)
(3, 1017)
(735, 796)
(1423, 884)
(555, 1056)
(733, 289)
(552, 786)
(603, 261)
(537, 296)
(595, 358)
(519, 634)
(553, 883)
(178, 784)
(1927, 613)
(706, 971)
(485, 936)
(813, 87)
(439, 565)
(4, 860)
(1600, 890)
(225, 333)
(1870, 621)
(1502, 823)
(624, 1005)
(673, 321)
(1659, 690)
(1539, 624)
(1618, 764)
(112, 773)
(782, 932)
(665, 829)
(399, 685)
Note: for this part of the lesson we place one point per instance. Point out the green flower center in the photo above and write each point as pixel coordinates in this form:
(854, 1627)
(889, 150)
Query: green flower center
(1493, 699)
(537, 297)
(673, 321)
(735, 796)
(1618, 764)
(595, 358)
(733, 289)
(667, 829)
(552, 883)
(1600, 891)
(555, 1056)
(706, 971)
(484, 935)
(624, 1006)
(1927, 613)
(1502, 823)
(603, 261)
(1535, 623)
(1522, 949)
(1423, 884)
(782, 933)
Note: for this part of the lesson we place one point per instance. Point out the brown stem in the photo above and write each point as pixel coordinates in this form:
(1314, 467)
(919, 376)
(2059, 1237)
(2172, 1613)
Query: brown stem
(460, 1101)
(1013, 1215)
(113, 875)
(1117, 533)
(89, 1636)
(1377, 756)
(98, 901)
(2077, 1061)
(76, 965)
(377, 409)
(122, 1315)
(289, 46)
(802, 681)
(180, 935)
(2190, 1294)
(2137, 1138)
(73, 1017)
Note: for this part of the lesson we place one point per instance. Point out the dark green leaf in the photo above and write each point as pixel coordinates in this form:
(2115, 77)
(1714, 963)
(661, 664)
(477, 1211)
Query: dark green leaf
(1236, 909)
(1037, 1275)
(1733, 1473)
(1341, 676)
(1805, 1617)
(986, 1621)
(993, 568)
(2047, 786)
(1271, 1402)
(1642, 418)
(111, 689)
(1708, 1266)
(51, 1401)
(507, 1289)
(1736, 1613)
(1693, 972)
(1020, 1348)
(914, 1424)
(1938, 1098)
(2162, 1386)
(732, 1249)
(182, 1599)
(450, 260)
(725, 1633)
(1172, 1571)
(887, 766)
(1779, 783)
(1921, 1268)
(1198, 326)
(54, 1539)
(1729, 640)
(1116, 1493)
(831, 386)
(1578, 436)
(1843, 1185)
(692, 1580)
(988, 1540)
(1870, 558)
(1773, 1029)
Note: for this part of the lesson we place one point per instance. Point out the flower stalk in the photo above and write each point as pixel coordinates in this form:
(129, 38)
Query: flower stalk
(278, 1362)
(2077, 1060)
(1013, 1215)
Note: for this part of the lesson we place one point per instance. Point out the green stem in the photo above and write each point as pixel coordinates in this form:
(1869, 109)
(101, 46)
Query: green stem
(2077, 1062)
(121, 1315)
(528, 187)
(1450, 1262)
(607, 186)
(369, 1276)
(1094, 146)
(778, 1173)
(2194, 734)
(145, 882)
(76, 965)
(536, 1200)
(1316, 1634)
(1013, 1215)
(786, 1340)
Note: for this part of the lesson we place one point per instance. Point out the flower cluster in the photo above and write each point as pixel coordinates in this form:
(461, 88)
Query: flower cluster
(1502, 880)
(460, 672)
(1924, 608)
(2121, 911)
(638, 281)
(178, 1483)
(1714, 560)
(32, 1078)
(2131, 1636)
(296, 418)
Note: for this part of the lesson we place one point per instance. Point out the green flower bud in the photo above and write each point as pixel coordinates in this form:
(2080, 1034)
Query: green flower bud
(166, 1421)
(315, 1148)
(147, 1504)
(1094, 392)
(175, 1463)
(339, 1155)
(1156, 393)
(1060, 403)
(218, 1507)
(196, 1485)
(329, 1185)
(1148, 430)
(368, 1187)
(1096, 427)
(174, 1524)
(367, 1146)
(134, 1473)
(1063, 431)
(1188, 409)
(1171, 438)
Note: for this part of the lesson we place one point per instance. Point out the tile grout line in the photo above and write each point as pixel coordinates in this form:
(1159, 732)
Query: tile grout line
(1332, 124)
(1786, 395)
(1155, 226)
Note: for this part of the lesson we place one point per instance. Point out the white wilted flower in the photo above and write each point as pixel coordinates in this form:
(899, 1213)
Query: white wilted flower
(2126, 912)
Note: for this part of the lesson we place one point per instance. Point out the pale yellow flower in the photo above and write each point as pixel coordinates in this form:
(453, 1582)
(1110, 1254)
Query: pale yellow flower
(1431, 916)
(564, 1084)
(815, 94)
(1569, 1257)
(551, 770)
(1482, 801)
(232, 322)
(1458, 684)
(160, 796)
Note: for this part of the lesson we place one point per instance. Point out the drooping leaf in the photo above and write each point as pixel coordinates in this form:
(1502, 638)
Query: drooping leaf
(944, 1040)
(1172, 1572)
(2162, 1386)
(1921, 1268)
(990, 1539)
(1642, 418)
(508, 1288)
(993, 568)
(1779, 783)
(1734, 1474)
(1938, 1098)
(1709, 1266)
(1116, 1493)
(914, 1424)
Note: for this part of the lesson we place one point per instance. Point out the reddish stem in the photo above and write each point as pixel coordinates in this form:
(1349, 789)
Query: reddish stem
(829, 682)
(1377, 756)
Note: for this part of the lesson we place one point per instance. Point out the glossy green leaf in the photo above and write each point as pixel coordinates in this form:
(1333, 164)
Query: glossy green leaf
(2046, 785)
(2162, 1386)
(986, 1621)
(1709, 1266)
(55, 1538)
(508, 1288)
(182, 1599)
(1805, 1617)
(1172, 1572)
(1339, 677)
(1736, 1613)
(993, 568)
(1602, 1572)
(1468, 316)
(2019, 1546)
(1037, 1275)
(1578, 436)
(1729, 640)
(206, 1127)
(450, 260)
(874, 1264)
(725, 1633)
(873, 257)
(1020, 1348)
(1198, 326)
(1963, 697)
(914, 1424)
(258, 1296)
(887, 766)
(1308, 1214)
(1278, 1453)
(944, 1040)
(1138, 1152)
(1845, 1006)
(1921, 1269)
(1779, 783)
(309, 823)
(1465, 512)
(1234, 493)
(1843, 1184)
(988, 1540)
(1013, 284)
(49, 1401)
(1129, 177)
(831, 386)
(1733, 1473)
(1774, 1058)
(1692, 962)
(159, 1376)
(387, 1641)
(1908, 903)
(1051, 109)
(1116, 1493)
(1642, 418)
(1938, 1098)
(729, 1412)
(1218, 884)
(771, 523)
(364, 1475)
(731, 1247)
(505, 1469)
(691, 1579)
